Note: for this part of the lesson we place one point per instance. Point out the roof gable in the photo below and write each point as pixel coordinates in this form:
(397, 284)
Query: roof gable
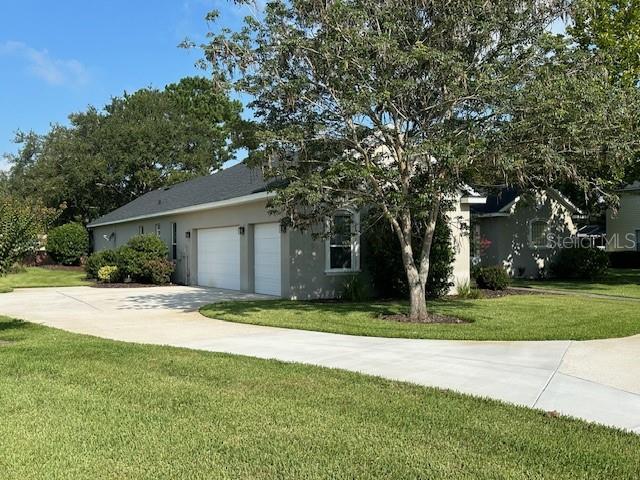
(500, 201)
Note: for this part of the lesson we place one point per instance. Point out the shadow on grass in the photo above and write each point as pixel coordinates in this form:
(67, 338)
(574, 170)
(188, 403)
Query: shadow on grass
(614, 277)
(12, 324)
(376, 308)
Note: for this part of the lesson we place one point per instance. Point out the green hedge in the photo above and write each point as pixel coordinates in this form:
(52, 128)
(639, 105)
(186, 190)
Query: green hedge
(67, 244)
(581, 263)
(492, 278)
(143, 259)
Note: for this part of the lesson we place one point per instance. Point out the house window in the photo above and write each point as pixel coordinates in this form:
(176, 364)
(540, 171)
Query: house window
(174, 241)
(637, 240)
(538, 233)
(157, 229)
(140, 229)
(342, 246)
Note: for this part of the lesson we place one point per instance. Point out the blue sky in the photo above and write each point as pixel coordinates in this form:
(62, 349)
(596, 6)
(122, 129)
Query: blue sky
(59, 57)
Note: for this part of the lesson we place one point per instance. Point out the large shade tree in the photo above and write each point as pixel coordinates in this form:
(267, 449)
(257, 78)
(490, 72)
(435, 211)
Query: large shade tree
(400, 104)
(612, 28)
(140, 141)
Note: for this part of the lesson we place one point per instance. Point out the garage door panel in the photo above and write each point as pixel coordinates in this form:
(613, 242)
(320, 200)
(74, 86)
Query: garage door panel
(267, 259)
(219, 258)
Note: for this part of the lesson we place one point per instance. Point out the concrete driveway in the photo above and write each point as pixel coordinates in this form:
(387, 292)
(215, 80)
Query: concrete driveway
(595, 380)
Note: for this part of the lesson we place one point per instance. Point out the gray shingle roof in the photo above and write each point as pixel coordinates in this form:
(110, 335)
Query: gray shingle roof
(497, 199)
(232, 182)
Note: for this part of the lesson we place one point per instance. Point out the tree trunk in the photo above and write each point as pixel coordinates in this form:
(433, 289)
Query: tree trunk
(418, 301)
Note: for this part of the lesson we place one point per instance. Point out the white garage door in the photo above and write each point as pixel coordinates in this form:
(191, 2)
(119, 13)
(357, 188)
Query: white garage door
(219, 258)
(267, 268)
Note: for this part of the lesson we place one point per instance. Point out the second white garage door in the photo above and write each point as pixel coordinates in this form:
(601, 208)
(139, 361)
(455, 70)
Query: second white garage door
(267, 268)
(219, 258)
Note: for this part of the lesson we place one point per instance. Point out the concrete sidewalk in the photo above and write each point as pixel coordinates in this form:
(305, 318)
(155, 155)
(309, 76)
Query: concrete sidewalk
(595, 380)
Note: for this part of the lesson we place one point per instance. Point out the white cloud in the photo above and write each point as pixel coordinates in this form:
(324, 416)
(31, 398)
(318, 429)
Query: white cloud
(54, 71)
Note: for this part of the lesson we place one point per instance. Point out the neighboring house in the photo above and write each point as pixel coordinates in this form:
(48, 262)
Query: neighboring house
(220, 234)
(623, 225)
(522, 231)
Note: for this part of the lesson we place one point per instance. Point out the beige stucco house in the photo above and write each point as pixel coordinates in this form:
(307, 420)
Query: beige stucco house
(523, 232)
(623, 225)
(220, 234)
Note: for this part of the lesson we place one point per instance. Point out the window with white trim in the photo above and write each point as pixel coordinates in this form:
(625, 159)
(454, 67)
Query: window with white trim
(538, 230)
(342, 246)
(140, 229)
(174, 241)
(157, 229)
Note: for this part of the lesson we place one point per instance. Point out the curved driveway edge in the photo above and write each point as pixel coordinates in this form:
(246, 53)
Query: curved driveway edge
(594, 380)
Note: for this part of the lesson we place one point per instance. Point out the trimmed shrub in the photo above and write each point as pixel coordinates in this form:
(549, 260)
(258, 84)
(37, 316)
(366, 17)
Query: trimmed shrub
(143, 258)
(149, 245)
(108, 274)
(581, 263)
(137, 252)
(158, 271)
(492, 278)
(68, 243)
(100, 259)
(383, 260)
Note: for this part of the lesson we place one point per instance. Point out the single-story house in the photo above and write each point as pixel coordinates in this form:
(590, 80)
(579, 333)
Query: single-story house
(522, 231)
(220, 234)
(623, 225)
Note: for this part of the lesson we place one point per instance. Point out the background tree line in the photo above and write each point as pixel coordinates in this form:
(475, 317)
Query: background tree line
(138, 142)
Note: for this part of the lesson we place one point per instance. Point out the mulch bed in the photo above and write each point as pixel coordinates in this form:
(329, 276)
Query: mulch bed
(128, 285)
(431, 318)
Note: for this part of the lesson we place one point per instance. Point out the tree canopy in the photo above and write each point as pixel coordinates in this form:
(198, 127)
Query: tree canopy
(613, 27)
(138, 142)
(399, 104)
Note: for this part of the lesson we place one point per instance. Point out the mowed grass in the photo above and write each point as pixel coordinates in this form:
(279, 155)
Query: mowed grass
(617, 282)
(43, 277)
(514, 317)
(76, 407)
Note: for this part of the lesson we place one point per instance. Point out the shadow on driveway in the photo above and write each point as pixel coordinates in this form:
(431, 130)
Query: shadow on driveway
(186, 301)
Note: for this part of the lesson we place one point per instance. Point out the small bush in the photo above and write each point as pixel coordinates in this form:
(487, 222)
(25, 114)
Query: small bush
(150, 246)
(158, 271)
(466, 291)
(356, 289)
(582, 263)
(100, 259)
(108, 274)
(17, 268)
(139, 250)
(492, 278)
(68, 243)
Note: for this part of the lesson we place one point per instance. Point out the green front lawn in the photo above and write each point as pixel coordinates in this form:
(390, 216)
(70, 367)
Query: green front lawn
(80, 407)
(515, 317)
(43, 277)
(617, 282)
